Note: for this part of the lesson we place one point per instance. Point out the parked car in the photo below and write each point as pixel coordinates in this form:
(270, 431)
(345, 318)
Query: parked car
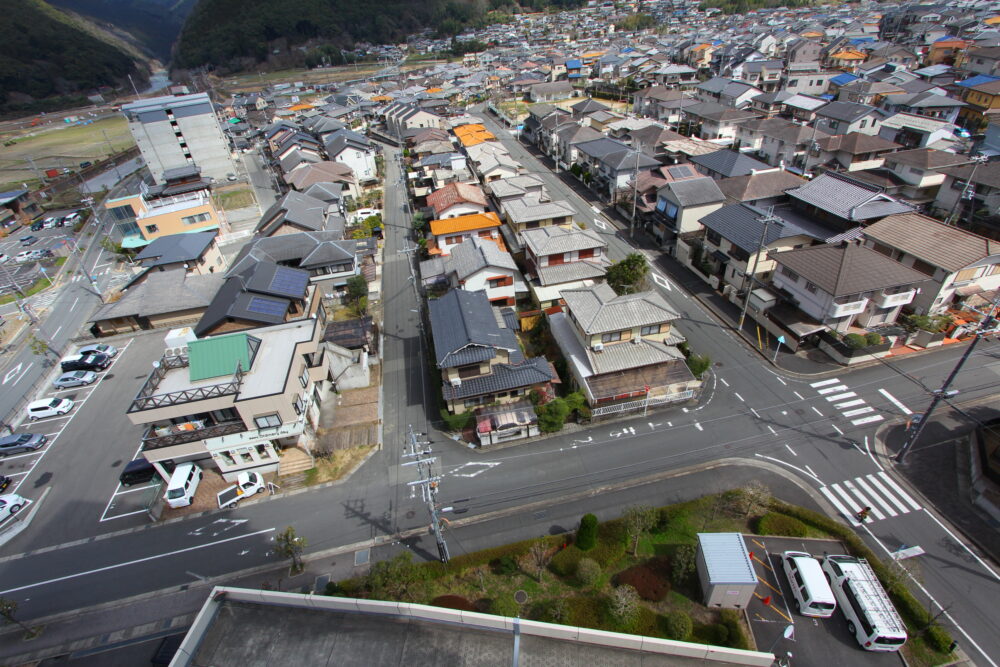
(84, 165)
(41, 253)
(138, 471)
(99, 348)
(74, 379)
(10, 505)
(71, 218)
(85, 362)
(19, 443)
(5, 481)
(37, 226)
(50, 223)
(48, 407)
(28, 240)
(24, 256)
(3, 258)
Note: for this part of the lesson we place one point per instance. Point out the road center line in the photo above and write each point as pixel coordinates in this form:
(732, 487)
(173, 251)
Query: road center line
(799, 396)
(134, 562)
(790, 449)
(723, 381)
(817, 411)
(778, 378)
(738, 396)
(895, 401)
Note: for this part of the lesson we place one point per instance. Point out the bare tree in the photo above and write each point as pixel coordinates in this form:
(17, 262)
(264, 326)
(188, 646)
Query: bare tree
(539, 556)
(8, 611)
(639, 519)
(754, 497)
(290, 545)
(624, 604)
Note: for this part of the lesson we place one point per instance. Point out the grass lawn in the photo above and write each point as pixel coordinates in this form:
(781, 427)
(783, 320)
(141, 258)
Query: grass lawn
(37, 286)
(558, 589)
(234, 199)
(333, 467)
(256, 81)
(59, 145)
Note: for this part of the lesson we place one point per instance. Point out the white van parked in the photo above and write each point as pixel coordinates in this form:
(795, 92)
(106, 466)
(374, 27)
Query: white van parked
(183, 485)
(810, 589)
(871, 617)
(48, 407)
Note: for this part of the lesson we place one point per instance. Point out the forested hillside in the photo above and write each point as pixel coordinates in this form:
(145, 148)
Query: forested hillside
(48, 60)
(226, 32)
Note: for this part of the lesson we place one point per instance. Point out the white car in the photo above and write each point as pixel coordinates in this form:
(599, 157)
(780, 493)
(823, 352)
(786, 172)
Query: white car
(24, 256)
(3, 258)
(99, 348)
(74, 379)
(48, 407)
(11, 504)
(71, 218)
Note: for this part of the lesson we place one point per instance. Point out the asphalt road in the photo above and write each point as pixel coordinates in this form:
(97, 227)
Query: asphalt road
(748, 411)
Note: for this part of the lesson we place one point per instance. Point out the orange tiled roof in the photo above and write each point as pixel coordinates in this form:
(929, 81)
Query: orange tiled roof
(381, 98)
(434, 90)
(848, 54)
(455, 193)
(465, 223)
(301, 107)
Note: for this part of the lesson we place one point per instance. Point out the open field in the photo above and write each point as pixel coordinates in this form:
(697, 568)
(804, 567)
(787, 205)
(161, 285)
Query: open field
(57, 146)
(253, 82)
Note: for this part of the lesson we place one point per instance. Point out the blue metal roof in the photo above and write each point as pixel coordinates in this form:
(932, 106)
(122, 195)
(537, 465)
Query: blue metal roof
(574, 62)
(843, 79)
(977, 80)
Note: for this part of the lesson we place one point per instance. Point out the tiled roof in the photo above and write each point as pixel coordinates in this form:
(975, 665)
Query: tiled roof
(475, 254)
(465, 223)
(845, 111)
(176, 248)
(598, 309)
(455, 193)
(927, 158)
(741, 225)
(846, 198)
(759, 186)
(856, 143)
(570, 272)
(694, 191)
(548, 240)
(729, 163)
(502, 377)
(932, 241)
(847, 268)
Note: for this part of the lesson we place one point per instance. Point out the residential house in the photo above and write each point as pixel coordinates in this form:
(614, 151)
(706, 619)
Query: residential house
(924, 104)
(912, 131)
(181, 204)
(559, 258)
(551, 91)
(662, 104)
(766, 75)
(452, 231)
(475, 265)
(847, 117)
(713, 121)
(675, 75)
(846, 59)
(761, 188)
(355, 151)
(867, 92)
(919, 172)
(621, 348)
(329, 259)
(982, 60)
(515, 187)
(400, 117)
(802, 50)
(298, 212)
(195, 253)
(807, 80)
(234, 401)
(970, 196)
(533, 210)
(956, 262)
(480, 361)
(324, 172)
(843, 285)
(457, 199)
(681, 205)
(854, 151)
(728, 163)
(727, 92)
(565, 140)
(159, 299)
(611, 165)
(982, 105)
(841, 200)
(946, 51)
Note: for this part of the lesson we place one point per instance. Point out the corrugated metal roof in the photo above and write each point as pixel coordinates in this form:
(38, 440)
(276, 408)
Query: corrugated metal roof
(218, 357)
(726, 558)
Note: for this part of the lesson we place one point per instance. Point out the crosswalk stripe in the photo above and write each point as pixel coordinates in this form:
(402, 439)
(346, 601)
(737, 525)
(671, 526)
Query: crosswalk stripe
(851, 502)
(860, 411)
(848, 404)
(867, 420)
(830, 390)
(836, 503)
(840, 397)
(903, 509)
(895, 487)
(823, 383)
(876, 497)
(865, 502)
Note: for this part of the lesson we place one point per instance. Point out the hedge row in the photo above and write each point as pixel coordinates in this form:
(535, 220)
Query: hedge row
(908, 606)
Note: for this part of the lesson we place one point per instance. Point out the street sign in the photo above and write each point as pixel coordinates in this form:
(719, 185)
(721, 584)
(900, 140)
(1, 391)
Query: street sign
(781, 339)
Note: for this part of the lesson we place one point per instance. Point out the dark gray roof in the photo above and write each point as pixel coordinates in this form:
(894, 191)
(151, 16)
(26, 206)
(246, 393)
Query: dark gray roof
(846, 111)
(299, 210)
(847, 268)
(163, 292)
(303, 249)
(341, 139)
(718, 112)
(176, 248)
(729, 163)
(502, 377)
(615, 154)
(262, 293)
(694, 191)
(465, 331)
(760, 185)
(847, 198)
(741, 225)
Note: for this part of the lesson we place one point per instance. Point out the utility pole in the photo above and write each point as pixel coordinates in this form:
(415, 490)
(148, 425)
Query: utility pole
(943, 392)
(635, 191)
(34, 168)
(967, 192)
(428, 484)
(767, 220)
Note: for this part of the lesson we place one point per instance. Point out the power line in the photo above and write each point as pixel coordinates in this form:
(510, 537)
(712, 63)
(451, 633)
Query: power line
(428, 484)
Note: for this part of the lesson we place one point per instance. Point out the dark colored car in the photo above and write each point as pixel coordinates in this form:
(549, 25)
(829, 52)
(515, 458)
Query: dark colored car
(139, 471)
(86, 362)
(36, 226)
(19, 443)
(5, 482)
(28, 240)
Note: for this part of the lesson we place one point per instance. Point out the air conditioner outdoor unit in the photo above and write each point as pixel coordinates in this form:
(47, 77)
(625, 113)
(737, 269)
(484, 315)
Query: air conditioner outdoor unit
(598, 347)
(637, 340)
(456, 382)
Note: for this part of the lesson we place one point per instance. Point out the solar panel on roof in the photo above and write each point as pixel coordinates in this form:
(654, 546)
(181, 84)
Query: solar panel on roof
(267, 306)
(288, 281)
(680, 172)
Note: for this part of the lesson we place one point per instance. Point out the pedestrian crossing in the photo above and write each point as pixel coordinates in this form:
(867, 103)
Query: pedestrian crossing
(846, 402)
(878, 491)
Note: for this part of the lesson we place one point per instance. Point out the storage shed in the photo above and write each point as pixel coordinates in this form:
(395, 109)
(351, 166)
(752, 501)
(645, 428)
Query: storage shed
(727, 575)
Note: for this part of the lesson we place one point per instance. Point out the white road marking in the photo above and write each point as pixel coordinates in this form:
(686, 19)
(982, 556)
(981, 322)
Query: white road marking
(817, 411)
(849, 404)
(840, 397)
(867, 420)
(723, 381)
(824, 383)
(698, 426)
(12, 372)
(75, 301)
(871, 456)
(778, 378)
(790, 449)
(800, 397)
(812, 473)
(853, 508)
(771, 429)
(134, 562)
(836, 503)
(978, 559)
(830, 390)
(895, 487)
(661, 281)
(877, 483)
(56, 332)
(859, 411)
(837, 429)
(738, 396)
(483, 467)
(784, 463)
(755, 413)
(600, 224)
(865, 502)
(905, 410)
(871, 493)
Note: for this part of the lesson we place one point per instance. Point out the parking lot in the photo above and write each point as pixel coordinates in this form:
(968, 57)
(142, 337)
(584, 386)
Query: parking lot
(815, 641)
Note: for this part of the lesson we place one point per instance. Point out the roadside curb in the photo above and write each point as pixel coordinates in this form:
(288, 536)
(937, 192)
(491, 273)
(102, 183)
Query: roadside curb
(22, 524)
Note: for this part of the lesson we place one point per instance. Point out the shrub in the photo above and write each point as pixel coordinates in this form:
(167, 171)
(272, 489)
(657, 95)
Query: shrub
(332, 588)
(773, 523)
(646, 580)
(586, 534)
(587, 571)
(550, 611)
(872, 338)
(684, 563)
(611, 540)
(552, 415)
(505, 566)
(938, 639)
(735, 638)
(715, 634)
(677, 625)
(456, 422)
(453, 602)
(505, 605)
(698, 364)
(586, 612)
(624, 605)
(855, 341)
(564, 563)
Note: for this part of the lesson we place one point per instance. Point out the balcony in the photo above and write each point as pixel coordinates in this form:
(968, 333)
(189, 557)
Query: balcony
(177, 434)
(148, 399)
(889, 298)
(843, 308)
(256, 435)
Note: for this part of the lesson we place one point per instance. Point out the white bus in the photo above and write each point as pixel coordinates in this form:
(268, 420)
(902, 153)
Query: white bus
(871, 617)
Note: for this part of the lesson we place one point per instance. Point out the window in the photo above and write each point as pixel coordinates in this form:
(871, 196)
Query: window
(864, 124)
(810, 287)
(924, 267)
(470, 371)
(611, 337)
(713, 237)
(299, 404)
(793, 83)
(268, 421)
(834, 124)
(152, 229)
(500, 281)
(966, 275)
(195, 219)
(651, 330)
(788, 273)
(304, 378)
(557, 258)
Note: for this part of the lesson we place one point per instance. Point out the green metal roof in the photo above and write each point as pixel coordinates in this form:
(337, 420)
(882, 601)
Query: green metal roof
(218, 356)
